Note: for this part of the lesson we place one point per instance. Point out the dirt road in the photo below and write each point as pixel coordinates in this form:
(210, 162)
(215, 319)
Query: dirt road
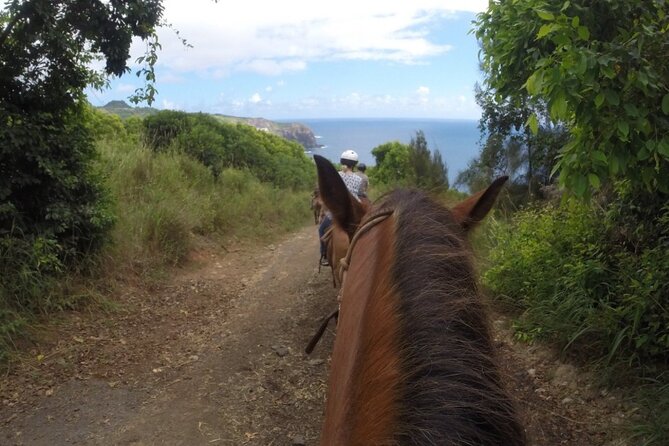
(215, 357)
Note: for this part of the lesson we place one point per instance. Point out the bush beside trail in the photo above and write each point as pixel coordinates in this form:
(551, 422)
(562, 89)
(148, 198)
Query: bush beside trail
(147, 207)
(593, 278)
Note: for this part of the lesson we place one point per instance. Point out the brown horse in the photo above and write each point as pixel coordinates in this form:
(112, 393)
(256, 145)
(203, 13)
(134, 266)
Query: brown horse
(336, 244)
(316, 206)
(413, 361)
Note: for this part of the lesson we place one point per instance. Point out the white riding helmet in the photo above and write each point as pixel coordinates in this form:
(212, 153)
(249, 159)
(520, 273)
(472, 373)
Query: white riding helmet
(349, 155)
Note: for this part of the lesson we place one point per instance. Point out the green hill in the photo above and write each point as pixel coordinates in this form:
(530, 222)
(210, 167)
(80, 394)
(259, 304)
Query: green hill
(122, 109)
(289, 130)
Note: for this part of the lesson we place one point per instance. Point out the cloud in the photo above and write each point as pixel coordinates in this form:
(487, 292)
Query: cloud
(168, 105)
(357, 104)
(423, 91)
(125, 88)
(268, 88)
(272, 38)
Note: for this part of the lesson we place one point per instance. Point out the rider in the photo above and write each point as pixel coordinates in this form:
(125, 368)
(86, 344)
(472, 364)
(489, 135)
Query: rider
(353, 182)
(365, 179)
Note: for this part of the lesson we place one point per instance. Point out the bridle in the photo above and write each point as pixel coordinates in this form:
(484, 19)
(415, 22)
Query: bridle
(373, 220)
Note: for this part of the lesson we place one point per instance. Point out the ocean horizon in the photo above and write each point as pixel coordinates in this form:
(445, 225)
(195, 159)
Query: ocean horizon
(456, 140)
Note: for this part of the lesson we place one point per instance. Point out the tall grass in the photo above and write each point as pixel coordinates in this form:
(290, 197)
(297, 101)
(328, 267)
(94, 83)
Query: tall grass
(164, 205)
(165, 200)
(593, 278)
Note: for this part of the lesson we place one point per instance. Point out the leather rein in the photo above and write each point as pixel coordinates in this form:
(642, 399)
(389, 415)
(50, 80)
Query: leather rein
(344, 263)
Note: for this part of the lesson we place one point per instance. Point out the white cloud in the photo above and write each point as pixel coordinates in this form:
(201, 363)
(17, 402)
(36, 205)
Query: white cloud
(255, 98)
(268, 88)
(125, 88)
(271, 38)
(423, 91)
(168, 105)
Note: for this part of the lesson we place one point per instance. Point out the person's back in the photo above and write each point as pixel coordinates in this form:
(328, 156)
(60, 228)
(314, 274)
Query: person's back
(364, 186)
(353, 182)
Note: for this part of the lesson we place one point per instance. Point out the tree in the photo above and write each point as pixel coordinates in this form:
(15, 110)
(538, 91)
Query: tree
(47, 190)
(409, 165)
(600, 68)
(392, 163)
(428, 168)
(509, 147)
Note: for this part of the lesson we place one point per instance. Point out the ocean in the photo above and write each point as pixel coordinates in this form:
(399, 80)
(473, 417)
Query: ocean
(457, 140)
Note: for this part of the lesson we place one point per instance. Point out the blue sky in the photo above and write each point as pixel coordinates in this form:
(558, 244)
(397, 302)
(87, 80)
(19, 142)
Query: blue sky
(310, 59)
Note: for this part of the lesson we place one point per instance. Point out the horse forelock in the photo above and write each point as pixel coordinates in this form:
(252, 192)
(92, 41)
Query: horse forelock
(451, 388)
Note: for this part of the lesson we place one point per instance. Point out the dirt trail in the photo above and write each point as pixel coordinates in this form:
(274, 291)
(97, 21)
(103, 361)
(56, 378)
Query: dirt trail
(215, 356)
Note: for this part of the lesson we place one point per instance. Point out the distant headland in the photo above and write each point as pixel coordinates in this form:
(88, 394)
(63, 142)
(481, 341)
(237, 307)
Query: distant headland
(290, 130)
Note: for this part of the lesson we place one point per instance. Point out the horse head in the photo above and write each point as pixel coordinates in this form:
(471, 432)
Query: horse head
(413, 361)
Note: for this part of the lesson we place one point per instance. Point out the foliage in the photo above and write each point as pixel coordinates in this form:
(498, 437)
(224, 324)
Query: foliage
(429, 170)
(53, 209)
(392, 161)
(599, 67)
(220, 145)
(509, 147)
(154, 227)
(400, 164)
(593, 279)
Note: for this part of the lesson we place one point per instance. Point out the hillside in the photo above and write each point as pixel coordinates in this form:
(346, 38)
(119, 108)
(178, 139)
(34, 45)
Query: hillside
(289, 130)
(124, 110)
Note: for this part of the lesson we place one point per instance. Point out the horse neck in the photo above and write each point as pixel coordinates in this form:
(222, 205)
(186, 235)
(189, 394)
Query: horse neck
(413, 360)
(451, 388)
(361, 404)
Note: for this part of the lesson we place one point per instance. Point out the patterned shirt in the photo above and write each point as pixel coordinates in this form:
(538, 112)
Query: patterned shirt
(352, 182)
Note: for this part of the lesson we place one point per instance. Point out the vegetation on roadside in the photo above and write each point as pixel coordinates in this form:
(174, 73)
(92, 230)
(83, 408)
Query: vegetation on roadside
(577, 91)
(54, 212)
(159, 205)
(412, 164)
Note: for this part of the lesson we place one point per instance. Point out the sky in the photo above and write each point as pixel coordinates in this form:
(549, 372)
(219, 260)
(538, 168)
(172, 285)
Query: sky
(314, 59)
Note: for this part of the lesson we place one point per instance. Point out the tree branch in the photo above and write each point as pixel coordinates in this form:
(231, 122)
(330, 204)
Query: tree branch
(13, 22)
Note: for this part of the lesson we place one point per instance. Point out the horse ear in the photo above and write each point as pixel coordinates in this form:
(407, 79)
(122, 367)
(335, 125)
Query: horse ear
(474, 209)
(346, 210)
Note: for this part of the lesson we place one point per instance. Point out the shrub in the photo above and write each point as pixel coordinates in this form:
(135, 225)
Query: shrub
(220, 145)
(593, 278)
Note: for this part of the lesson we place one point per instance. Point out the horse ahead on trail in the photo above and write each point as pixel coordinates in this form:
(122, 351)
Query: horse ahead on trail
(316, 206)
(413, 362)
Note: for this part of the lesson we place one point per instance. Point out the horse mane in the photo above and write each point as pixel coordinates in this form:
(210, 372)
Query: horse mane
(452, 392)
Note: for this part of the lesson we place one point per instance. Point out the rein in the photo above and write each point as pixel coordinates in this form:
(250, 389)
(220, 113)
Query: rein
(372, 221)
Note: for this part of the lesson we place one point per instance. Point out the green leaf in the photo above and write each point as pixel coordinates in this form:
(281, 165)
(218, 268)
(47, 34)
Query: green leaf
(533, 123)
(575, 22)
(546, 29)
(632, 110)
(580, 185)
(559, 107)
(583, 33)
(598, 155)
(594, 180)
(614, 165)
(663, 147)
(599, 100)
(665, 104)
(534, 83)
(582, 63)
(608, 71)
(623, 128)
(612, 97)
(545, 15)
